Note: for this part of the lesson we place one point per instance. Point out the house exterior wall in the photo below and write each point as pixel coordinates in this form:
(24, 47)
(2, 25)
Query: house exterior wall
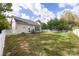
(19, 27)
(22, 27)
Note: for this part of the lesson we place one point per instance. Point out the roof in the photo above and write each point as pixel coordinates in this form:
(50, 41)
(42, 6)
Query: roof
(30, 22)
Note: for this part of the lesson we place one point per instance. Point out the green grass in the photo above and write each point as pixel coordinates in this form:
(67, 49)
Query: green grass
(42, 44)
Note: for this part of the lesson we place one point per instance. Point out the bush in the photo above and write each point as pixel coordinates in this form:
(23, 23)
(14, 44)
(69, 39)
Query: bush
(4, 7)
(3, 23)
(58, 24)
(44, 26)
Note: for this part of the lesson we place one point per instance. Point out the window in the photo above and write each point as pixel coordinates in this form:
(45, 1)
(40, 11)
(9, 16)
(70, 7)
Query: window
(29, 29)
(37, 28)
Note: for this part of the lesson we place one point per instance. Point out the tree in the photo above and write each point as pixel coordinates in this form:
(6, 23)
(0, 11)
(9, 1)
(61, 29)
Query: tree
(58, 24)
(62, 25)
(71, 18)
(4, 7)
(3, 23)
(52, 24)
(44, 26)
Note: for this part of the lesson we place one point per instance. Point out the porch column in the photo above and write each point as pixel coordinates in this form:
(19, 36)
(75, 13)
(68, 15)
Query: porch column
(40, 29)
(13, 25)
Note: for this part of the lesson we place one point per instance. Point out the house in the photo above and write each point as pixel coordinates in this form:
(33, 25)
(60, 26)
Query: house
(19, 25)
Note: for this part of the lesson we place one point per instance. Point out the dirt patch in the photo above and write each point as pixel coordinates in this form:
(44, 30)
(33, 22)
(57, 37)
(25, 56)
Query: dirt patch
(24, 45)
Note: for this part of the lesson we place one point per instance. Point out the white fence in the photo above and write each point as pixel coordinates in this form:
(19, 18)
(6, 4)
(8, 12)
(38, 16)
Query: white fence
(2, 41)
(76, 32)
(46, 30)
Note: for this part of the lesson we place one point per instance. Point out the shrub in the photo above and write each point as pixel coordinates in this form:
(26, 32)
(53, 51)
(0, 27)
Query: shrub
(4, 7)
(44, 26)
(58, 24)
(3, 23)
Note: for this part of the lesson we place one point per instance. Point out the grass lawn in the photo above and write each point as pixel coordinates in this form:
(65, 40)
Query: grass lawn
(45, 44)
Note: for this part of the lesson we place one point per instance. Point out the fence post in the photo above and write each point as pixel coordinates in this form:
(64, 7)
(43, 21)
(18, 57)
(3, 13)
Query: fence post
(2, 42)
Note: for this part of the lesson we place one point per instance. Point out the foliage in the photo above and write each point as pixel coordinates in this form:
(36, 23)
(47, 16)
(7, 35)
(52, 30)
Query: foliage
(58, 24)
(52, 23)
(62, 25)
(44, 26)
(4, 7)
(3, 23)
(71, 18)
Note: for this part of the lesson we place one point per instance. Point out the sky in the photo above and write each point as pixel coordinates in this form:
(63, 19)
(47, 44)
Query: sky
(42, 11)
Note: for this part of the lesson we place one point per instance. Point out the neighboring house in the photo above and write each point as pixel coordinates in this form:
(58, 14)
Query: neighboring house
(19, 25)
